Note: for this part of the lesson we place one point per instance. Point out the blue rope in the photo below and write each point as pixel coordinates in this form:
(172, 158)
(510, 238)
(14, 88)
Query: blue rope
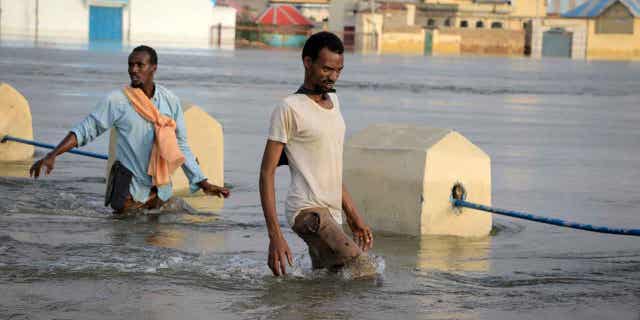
(553, 221)
(49, 146)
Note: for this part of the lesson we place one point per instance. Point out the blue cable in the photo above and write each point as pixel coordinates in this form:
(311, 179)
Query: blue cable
(553, 221)
(49, 146)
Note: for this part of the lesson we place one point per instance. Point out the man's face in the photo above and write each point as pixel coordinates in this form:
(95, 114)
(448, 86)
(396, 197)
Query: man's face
(141, 70)
(325, 70)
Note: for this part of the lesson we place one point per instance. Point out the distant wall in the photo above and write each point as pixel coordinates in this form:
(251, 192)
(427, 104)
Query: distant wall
(407, 40)
(187, 23)
(445, 43)
(171, 23)
(369, 33)
(489, 41)
(226, 18)
(61, 21)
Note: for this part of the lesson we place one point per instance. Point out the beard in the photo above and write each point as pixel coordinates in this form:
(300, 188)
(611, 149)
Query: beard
(137, 84)
(324, 87)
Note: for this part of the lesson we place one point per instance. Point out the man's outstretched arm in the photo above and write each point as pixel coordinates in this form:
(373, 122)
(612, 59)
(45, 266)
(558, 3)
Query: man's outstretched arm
(99, 121)
(279, 252)
(69, 142)
(362, 234)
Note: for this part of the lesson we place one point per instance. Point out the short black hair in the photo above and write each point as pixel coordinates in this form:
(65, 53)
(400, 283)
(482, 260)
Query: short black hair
(153, 56)
(320, 40)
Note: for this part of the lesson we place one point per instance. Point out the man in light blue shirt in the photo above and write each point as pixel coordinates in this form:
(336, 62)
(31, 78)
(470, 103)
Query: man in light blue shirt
(135, 137)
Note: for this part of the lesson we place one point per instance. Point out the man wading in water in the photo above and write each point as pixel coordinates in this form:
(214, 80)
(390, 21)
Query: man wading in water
(152, 141)
(308, 127)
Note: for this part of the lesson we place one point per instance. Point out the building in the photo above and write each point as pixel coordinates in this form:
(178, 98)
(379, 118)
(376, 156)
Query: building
(597, 29)
(479, 14)
(188, 23)
(613, 28)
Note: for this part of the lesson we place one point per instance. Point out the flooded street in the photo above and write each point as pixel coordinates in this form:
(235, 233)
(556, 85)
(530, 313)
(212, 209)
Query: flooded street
(563, 137)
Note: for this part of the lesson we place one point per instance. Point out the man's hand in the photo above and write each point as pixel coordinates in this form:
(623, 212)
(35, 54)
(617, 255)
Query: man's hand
(279, 252)
(362, 234)
(213, 190)
(48, 161)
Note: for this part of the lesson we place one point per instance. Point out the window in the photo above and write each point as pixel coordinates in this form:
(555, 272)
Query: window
(479, 24)
(447, 22)
(431, 23)
(615, 20)
(464, 24)
(496, 25)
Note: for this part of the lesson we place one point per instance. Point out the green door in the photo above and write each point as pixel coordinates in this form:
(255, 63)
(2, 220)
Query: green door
(428, 43)
(556, 43)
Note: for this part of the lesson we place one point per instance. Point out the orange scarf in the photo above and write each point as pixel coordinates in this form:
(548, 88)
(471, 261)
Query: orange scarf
(166, 156)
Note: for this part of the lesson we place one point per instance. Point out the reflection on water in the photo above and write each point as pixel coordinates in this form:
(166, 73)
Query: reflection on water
(436, 253)
(168, 236)
(454, 254)
(521, 100)
(204, 203)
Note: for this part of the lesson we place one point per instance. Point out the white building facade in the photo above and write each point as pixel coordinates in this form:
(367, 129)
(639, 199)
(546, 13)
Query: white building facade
(185, 23)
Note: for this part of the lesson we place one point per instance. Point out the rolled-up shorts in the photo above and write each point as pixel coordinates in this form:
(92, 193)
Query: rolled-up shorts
(329, 246)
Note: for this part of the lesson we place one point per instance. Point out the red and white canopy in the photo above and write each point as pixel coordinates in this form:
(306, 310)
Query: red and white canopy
(283, 15)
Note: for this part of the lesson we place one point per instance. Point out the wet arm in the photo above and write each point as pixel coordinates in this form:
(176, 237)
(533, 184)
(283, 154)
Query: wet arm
(279, 252)
(348, 207)
(361, 232)
(68, 142)
(87, 130)
(270, 158)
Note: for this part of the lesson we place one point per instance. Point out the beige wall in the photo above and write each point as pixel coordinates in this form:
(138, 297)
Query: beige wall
(529, 8)
(489, 41)
(613, 46)
(445, 43)
(406, 40)
(395, 18)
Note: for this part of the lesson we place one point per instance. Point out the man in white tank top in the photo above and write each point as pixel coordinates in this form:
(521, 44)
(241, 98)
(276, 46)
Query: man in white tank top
(307, 132)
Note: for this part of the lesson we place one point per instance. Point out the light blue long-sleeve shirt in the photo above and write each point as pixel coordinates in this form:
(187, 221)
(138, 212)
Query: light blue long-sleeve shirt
(136, 136)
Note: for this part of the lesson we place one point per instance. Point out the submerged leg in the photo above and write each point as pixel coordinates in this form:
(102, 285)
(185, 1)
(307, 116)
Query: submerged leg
(329, 246)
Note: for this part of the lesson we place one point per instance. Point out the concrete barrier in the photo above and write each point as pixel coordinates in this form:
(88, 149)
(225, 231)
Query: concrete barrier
(205, 137)
(401, 178)
(15, 120)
